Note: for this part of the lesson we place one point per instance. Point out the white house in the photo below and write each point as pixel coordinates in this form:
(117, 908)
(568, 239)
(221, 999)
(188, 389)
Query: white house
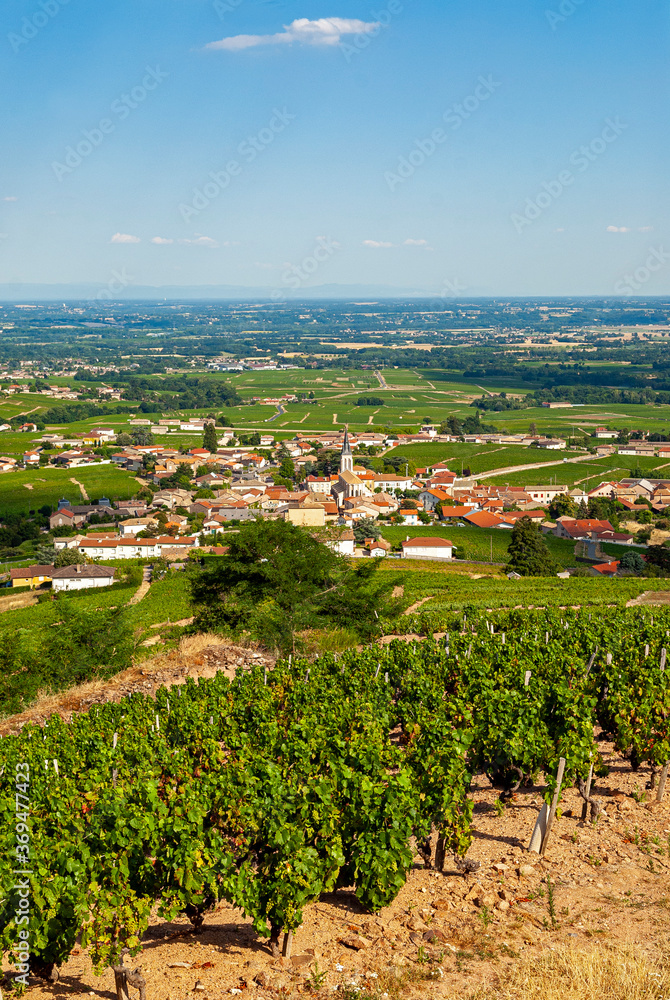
(136, 524)
(81, 577)
(343, 542)
(427, 548)
(544, 494)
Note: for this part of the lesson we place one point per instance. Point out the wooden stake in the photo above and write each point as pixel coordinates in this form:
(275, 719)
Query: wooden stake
(585, 807)
(288, 944)
(527, 677)
(539, 830)
(661, 783)
(554, 805)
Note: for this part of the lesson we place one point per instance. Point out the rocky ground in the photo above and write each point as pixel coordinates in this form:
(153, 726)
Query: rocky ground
(197, 656)
(446, 934)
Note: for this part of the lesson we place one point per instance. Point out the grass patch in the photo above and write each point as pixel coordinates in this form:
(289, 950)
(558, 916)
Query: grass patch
(566, 973)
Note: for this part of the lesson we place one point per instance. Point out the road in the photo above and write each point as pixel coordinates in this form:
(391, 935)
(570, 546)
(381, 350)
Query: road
(280, 410)
(382, 381)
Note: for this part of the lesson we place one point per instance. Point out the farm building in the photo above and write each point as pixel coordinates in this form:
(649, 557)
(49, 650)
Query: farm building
(427, 548)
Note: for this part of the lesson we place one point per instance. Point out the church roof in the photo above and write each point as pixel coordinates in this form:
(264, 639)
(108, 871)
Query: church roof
(350, 477)
(346, 447)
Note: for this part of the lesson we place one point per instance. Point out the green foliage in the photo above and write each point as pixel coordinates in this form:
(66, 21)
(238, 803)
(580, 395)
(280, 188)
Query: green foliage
(277, 580)
(273, 788)
(632, 562)
(367, 527)
(69, 557)
(209, 440)
(70, 642)
(562, 506)
(528, 553)
(369, 401)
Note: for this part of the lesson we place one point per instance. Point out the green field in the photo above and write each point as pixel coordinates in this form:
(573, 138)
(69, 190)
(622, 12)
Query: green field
(480, 545)
(451, 591)
(30, 489)
(167, 600)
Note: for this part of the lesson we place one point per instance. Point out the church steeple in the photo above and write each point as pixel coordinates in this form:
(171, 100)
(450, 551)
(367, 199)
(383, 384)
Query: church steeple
(346, 457)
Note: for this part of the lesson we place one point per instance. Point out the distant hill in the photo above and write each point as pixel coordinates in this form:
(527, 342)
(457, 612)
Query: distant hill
(152, 293)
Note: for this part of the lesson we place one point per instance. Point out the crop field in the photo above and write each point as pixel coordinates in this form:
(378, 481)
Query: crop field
(454, 590)
(30, 489)
(478, 544)
(167, 601)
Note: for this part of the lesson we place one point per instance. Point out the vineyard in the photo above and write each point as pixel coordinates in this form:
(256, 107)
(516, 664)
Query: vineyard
(279, 786)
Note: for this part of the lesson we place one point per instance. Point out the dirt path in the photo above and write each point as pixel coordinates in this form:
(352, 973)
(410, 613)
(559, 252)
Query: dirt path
(415, 607)
(650, 597)
(141, 592)
(334, 418)
(85, 495)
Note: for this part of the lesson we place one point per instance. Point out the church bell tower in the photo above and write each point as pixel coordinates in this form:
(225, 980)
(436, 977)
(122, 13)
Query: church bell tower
(346, 458)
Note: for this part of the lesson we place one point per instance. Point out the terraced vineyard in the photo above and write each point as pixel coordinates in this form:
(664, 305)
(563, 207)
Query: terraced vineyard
(274, 788)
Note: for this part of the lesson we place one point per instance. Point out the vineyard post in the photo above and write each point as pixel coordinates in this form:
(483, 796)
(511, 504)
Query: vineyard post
(585, 807)
(288, 944)
(554, 805)
(539, 830)
(661, 783)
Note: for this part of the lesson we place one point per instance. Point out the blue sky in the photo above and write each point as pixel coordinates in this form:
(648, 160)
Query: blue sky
(462, 146)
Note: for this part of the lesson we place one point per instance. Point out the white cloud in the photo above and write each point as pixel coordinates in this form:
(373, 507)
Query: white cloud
(418, 243)
(618, 229)
(645, 229)
(324, 31)
(377, 244)
(10, 198)
(160, 240)
(124, 238)
(200, 241)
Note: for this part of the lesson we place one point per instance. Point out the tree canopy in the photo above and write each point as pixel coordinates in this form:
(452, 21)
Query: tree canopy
(277, 580)
(528, 553)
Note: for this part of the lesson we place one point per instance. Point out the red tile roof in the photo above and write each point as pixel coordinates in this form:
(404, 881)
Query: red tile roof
(424, 543)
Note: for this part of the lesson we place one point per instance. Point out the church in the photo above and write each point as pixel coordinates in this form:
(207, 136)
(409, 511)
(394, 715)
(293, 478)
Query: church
(348, 483)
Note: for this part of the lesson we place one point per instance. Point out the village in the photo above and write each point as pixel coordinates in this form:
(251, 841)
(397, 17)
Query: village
(187, 500)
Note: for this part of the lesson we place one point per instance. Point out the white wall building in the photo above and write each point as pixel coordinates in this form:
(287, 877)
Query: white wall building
(81, 577)
(427, 548)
